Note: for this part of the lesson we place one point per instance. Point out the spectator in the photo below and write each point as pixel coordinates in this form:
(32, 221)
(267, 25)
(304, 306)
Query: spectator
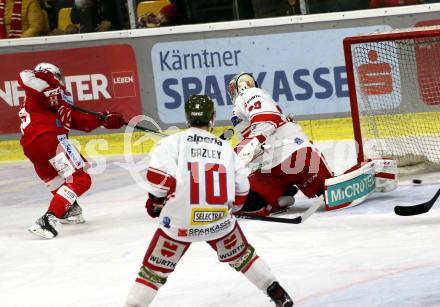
(322, 6)
(20, 18)
(99, 15)
(388, 3)
(271, 8)
(53, 7)
(166, 17)
(350, 5)
(202, 11)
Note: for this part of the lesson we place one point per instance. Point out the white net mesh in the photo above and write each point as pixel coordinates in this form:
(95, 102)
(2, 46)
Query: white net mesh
(398, 93)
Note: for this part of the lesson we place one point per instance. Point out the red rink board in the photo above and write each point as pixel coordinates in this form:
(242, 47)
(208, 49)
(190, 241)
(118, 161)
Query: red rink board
(100, 78)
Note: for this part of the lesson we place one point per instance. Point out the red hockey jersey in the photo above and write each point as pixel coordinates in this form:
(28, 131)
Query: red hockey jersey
(41, 113)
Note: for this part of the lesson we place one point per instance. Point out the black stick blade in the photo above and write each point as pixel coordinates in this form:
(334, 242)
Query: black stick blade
(417, 209)
(412, 210)
(295, 220)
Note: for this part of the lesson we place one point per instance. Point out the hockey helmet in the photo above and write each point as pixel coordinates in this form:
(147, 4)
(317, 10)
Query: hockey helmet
(199, 111)
(51, 68)
(239, 83)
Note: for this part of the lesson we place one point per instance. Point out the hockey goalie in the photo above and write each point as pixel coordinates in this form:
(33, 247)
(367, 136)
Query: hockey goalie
(282, 157)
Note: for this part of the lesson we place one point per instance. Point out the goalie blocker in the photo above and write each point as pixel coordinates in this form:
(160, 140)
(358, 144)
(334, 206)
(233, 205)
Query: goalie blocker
(358, 183)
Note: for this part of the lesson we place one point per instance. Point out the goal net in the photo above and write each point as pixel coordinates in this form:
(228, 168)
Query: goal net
(394, 84)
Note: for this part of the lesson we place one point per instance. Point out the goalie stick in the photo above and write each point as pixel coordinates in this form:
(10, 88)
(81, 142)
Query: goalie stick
(417, 209)
(295, 220)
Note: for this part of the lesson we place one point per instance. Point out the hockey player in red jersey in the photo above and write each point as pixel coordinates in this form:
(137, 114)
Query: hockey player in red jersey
(274, 147)
(46, 118)
(195, 183)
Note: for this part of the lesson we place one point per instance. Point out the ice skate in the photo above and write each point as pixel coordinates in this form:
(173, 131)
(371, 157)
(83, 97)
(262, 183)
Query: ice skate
(73, 215)
(279, 296)
(45, 226)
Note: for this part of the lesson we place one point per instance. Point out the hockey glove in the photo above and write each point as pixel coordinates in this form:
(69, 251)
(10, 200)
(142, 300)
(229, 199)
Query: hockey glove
(154, 205)
(112, 120)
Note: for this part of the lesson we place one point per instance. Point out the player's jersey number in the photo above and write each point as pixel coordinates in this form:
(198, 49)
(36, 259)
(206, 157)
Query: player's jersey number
(212, 196)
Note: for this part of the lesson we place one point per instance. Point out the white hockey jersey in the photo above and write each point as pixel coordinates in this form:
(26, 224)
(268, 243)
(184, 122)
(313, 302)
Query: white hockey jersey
(207, 176)
(260, 115)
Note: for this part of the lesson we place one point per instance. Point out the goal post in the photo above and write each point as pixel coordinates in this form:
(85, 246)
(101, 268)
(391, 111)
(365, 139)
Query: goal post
(394, 89)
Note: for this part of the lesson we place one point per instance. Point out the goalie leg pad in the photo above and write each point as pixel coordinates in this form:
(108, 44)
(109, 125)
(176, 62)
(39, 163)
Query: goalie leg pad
(386, 174)
(351, 188)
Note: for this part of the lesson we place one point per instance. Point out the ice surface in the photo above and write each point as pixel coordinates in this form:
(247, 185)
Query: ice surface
(362, 256)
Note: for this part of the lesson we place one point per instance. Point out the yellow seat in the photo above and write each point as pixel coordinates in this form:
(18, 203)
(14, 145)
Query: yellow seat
(46, 21)
(145, 7)
(64, 18)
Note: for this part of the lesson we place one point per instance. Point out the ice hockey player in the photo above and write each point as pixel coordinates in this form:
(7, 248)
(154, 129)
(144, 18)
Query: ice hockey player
(274, 147)
(46, 118)
(195, 183)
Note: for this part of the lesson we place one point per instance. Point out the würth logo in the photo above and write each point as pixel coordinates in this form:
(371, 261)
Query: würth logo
(124, 84)
(230, 242)
(168, 249)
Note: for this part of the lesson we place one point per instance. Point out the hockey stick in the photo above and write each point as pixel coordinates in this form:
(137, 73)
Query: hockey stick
(417, 209)
(226, 135)
(296, 220)
(103, 117)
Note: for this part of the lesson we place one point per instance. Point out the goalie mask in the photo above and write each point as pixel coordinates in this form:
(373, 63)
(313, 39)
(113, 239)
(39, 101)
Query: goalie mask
(51, 68)
(199, 111)
(239, 83)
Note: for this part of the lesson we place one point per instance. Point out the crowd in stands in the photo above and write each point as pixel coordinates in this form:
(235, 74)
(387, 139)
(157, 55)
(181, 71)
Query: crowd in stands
(27, 18)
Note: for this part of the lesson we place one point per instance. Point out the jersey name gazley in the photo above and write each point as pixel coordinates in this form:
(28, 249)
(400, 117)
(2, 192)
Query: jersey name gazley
(86, 87)
(189, 215)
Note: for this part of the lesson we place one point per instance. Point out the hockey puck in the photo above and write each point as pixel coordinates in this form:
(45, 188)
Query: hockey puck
(417, 181)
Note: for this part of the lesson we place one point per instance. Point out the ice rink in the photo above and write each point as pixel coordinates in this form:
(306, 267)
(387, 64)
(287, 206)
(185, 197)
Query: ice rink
(362, 256)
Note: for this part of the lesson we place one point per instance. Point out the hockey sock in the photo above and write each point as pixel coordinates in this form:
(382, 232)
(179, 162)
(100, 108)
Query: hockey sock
(61, 201)
(254, 268)
(66, 195)
(259, 273)
(140, 295)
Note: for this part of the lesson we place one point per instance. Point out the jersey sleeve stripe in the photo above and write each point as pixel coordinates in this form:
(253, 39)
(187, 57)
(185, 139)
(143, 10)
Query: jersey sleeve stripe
(28, 80)
(273, 118)
(160, 179)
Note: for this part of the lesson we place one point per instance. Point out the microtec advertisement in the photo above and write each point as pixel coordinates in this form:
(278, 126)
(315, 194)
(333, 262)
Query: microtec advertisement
(306, 75)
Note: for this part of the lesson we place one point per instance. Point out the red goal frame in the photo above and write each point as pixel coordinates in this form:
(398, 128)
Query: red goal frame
(398, 34)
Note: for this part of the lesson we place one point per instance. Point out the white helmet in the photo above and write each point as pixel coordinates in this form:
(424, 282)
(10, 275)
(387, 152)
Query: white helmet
(239, 83)
(52, 68)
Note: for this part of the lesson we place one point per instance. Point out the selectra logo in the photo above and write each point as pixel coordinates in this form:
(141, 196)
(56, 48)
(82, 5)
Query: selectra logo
(203, 216)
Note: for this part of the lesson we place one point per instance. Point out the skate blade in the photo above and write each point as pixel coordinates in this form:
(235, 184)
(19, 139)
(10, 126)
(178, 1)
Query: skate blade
(40, 232)
(78, 219)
